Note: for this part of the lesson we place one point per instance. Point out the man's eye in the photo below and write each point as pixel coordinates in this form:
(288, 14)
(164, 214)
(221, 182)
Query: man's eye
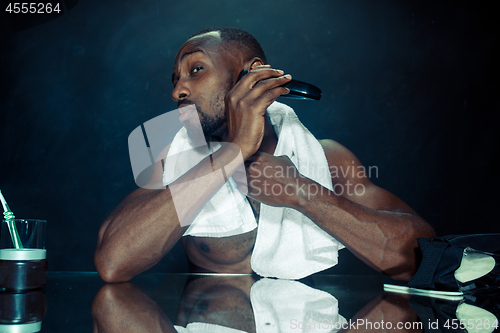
(196, 69)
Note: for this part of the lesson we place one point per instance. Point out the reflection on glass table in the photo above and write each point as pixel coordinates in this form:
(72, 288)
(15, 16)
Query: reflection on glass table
(73, 302)
(248, 304)
(22, 311)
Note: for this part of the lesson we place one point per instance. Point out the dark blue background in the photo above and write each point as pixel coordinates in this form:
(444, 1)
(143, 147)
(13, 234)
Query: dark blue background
(408, 86)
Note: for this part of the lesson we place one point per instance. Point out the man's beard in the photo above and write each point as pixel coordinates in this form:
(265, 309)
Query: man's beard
(207, 127)
(211, 125)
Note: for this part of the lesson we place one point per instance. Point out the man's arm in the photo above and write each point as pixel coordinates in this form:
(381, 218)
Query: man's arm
(374, 224)
(148, 223)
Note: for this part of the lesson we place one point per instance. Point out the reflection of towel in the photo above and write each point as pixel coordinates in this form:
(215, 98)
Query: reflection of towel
(284, 306)
(205, 328)
(288, 245)
(290, 306)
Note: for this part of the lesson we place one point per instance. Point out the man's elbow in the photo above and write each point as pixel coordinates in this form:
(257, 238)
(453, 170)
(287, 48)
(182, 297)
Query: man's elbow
(401, 269)
(406, 258)
(108, 269)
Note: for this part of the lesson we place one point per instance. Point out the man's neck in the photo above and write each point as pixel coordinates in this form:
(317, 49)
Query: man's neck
(270, 140)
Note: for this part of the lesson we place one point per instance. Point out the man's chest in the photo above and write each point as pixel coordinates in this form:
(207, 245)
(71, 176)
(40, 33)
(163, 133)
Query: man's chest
(227, 250)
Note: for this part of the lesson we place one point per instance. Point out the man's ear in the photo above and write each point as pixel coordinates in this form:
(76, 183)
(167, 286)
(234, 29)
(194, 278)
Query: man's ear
(254, 62)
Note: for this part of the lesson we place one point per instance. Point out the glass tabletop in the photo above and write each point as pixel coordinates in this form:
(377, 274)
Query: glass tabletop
(81, 301)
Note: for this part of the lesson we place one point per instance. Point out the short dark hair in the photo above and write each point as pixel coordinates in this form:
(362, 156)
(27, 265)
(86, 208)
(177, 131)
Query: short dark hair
(238, 37)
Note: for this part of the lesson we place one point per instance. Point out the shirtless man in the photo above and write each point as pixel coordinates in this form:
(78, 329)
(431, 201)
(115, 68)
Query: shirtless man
(376, 226)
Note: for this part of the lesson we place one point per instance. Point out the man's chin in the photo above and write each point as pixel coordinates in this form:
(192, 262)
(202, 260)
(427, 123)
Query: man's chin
(195, 133)
(218, 135)
(195, 130)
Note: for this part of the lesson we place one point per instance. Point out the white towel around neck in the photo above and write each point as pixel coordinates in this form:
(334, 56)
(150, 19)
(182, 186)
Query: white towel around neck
(289, 245)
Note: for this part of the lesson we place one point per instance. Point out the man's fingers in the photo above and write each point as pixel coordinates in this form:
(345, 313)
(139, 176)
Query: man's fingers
(266, 92)
(245, 84)
(258, 74)
(262, 82)
(270, 83)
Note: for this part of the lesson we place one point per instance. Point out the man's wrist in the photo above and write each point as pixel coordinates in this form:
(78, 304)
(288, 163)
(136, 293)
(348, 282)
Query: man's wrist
(229, 158)
(245, 150)
(302, 197)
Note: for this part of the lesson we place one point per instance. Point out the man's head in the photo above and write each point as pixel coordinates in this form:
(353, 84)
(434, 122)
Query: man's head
(238, 39)
(206, 68)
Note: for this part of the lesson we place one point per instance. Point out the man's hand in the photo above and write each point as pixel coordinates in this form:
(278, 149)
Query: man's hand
(246, 106)
(275, 181)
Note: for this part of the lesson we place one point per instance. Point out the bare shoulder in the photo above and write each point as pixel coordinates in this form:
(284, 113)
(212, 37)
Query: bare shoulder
(336, 152)
(353, 178)
(332, 145)
(344, 165)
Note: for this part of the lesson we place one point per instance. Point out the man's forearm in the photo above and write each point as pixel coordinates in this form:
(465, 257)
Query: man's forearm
(385, 240)
(149, 222)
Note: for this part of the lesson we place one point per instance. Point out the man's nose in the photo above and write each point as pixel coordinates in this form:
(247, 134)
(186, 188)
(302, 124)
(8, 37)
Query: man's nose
(181, 91)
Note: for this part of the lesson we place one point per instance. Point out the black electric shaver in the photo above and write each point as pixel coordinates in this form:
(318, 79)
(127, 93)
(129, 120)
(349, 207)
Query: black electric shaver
(298, 89)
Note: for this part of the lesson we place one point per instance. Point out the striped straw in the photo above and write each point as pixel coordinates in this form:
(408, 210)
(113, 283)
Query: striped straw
(9, 217)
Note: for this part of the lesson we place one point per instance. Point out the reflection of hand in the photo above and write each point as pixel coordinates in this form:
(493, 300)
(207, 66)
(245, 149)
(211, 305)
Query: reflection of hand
(122, 307)
(275, 181)
(246, 106)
